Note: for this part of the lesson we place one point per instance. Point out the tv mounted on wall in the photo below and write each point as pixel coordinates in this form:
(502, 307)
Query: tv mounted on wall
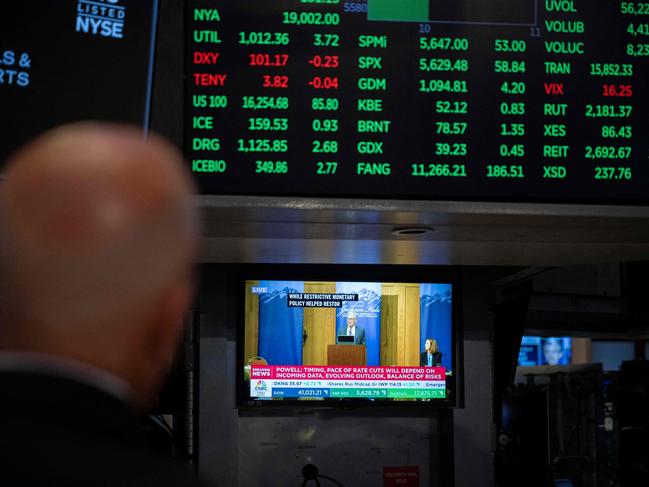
(341, 342)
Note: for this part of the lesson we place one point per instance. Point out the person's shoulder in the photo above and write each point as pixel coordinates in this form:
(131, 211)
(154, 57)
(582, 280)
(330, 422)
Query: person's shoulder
(105, 455)
(94, 428)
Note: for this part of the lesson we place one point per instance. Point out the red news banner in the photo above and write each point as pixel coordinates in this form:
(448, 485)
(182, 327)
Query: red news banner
(351, 373)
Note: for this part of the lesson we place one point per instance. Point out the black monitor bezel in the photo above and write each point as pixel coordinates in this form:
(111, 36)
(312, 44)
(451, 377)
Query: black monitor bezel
(358, 273)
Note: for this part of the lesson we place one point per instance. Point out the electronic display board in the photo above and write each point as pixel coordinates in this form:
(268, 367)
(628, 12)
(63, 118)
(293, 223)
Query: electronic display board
(63, 61)
(504, 100)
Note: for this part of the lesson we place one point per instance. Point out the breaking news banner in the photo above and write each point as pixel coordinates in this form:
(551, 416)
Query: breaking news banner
(348, 382)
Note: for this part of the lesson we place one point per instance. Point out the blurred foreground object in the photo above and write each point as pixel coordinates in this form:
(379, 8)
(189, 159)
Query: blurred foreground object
(97, 239)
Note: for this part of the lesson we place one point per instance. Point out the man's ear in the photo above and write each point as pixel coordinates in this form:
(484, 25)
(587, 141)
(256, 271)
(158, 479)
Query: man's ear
(168, 322)
(157, 342)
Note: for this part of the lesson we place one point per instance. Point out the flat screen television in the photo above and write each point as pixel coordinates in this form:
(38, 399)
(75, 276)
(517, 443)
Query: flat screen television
(537, 350)
(349, 343)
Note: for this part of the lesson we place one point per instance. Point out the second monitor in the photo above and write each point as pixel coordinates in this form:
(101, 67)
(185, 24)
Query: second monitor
(334, 341)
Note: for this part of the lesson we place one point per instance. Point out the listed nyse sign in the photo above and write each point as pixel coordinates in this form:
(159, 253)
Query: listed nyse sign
(104, 18)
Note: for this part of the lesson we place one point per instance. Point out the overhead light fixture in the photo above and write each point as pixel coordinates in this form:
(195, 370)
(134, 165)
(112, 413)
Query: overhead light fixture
(412, 231)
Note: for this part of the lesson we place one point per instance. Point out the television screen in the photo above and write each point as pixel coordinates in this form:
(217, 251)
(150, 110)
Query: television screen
(334, 343)
(545, 351)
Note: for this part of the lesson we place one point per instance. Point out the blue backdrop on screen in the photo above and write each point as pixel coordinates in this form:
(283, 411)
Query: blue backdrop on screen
(368, 313)
(436, 303)
(280, 327)
(530, 351)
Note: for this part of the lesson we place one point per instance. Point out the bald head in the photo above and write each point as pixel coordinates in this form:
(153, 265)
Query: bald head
(97, 237)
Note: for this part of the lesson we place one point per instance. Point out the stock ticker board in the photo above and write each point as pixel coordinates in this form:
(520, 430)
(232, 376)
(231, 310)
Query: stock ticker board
(509, 100)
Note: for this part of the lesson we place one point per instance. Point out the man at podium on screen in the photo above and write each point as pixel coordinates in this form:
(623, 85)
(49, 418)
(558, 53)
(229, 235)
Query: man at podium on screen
(345, 333)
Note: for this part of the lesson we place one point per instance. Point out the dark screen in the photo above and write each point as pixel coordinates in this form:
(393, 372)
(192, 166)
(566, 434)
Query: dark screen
(68, 60)
(511, 100)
